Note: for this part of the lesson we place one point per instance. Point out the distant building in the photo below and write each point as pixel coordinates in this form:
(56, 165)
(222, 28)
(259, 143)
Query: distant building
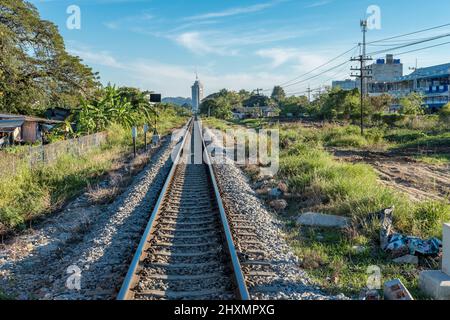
(385, 70)
(387, 78)
(347, 84)
(432, 82)
(197, 94)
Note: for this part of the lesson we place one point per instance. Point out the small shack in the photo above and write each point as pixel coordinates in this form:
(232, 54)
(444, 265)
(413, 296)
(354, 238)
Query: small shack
(20, 128)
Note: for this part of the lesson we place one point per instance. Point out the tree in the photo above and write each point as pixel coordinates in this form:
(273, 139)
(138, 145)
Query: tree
(294, 105)
(256, 101)
(219, 107)
(124, 106)
(244, 94)
(412, 104)
(380, 103)
(278, 94)
(35, 70)
(338, 103)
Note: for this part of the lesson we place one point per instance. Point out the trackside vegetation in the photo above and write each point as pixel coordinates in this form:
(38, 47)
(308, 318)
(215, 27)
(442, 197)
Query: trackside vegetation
(34, 192)
(338, 259)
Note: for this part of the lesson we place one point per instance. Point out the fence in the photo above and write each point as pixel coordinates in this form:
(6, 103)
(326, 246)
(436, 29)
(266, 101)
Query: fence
(47, 154)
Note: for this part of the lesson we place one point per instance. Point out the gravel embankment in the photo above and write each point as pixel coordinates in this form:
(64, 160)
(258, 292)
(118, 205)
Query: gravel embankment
(290, 281)
(98, 239)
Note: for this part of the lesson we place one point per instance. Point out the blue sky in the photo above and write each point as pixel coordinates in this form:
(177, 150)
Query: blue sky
(158, 45)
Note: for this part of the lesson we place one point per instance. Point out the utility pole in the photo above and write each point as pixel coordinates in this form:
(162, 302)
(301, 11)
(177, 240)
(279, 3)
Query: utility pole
(363, 24)
(363, 72)
(309, 93)
(258, 90)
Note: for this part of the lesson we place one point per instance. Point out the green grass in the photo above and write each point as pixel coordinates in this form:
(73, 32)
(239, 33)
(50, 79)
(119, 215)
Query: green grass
(31, 193)
(400, 136)
(216, 123)
(351, 190)
(331, 260)
(437, 159)
(326, 185)
(428, 141)
(350, 136)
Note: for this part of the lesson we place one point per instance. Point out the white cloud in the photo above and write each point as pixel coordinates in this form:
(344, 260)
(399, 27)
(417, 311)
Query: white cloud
(171, 79)
(230, 42)
(103, 58)
(319, 3)
(136, 19)
(299, 59)
(194, 42)
(278, 56)
(233, 11)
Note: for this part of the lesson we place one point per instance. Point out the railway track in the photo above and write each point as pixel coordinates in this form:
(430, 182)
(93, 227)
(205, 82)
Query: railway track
(187, 250)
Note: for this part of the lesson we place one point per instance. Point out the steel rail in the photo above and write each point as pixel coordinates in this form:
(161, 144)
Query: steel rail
(237, 270)
(124, 293)
(130, 280)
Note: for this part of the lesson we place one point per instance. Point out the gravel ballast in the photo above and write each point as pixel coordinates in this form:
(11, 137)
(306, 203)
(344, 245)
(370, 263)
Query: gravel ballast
(90, 243)
(290, 280)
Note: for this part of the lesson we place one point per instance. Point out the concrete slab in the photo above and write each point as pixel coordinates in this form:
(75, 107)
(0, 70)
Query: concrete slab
(435, 284)
(322, 220)
(446, 249)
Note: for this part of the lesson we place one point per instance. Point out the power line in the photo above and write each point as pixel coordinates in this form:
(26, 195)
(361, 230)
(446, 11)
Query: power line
(334, 74)
(411, 33)
(317, 75)
(316, 68)
(424, 48)
(385, 40)
(322, 84)
(411, 44)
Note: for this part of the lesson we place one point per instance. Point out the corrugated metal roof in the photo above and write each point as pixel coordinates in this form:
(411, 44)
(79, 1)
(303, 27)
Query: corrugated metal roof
(10, 125)
(6, 116)
(428, 72)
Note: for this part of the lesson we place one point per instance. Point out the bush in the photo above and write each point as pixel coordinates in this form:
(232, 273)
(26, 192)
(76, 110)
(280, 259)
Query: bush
(404, 135)
(440, 140)
(348, 136)
(392, 118)
(424, 219)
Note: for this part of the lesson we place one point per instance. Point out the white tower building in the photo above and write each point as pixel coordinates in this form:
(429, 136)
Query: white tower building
(197, 94)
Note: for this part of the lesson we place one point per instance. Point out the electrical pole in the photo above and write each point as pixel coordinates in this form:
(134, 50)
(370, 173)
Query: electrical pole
(363, 24)
(309, 93)
(258, 90)
(363, 72)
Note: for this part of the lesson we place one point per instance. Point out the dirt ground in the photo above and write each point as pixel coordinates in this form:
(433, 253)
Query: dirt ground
(419, 180)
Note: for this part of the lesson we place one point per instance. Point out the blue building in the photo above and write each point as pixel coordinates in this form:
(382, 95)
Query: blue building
(432, 82)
